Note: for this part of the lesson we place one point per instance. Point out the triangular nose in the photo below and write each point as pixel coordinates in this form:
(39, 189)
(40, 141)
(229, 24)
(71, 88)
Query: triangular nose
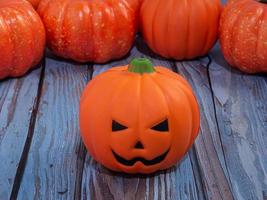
(139, 145)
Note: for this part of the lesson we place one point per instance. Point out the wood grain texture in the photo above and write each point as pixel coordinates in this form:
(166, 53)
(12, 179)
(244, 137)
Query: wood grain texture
(180, 182)
(241, 110)
(56, 150)
(17, 101)
(208, 148)
(176, 183)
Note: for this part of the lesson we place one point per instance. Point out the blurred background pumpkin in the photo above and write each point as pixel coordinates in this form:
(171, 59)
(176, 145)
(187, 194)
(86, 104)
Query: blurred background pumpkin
(180, 29)
(22, 38)
(243, 35)
(83, 30)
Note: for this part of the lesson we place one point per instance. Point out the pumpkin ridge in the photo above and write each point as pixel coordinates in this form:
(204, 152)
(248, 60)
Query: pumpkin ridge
(252, 7)
(33, 52)
(188, 30)
(43, 9)
(260, 27)
(191, 111)
(168, 30)
(115, 52)
(224, 26)
(219, 9)
(79, 33)
(114, 19)
(162, 93)
(193, 104)
(154, 44)
(153, 79)
(234, 36)
(207, 32)
(94, 41)
(63, 33)
(58, 32)
(120, 87)
(92, 31)
(186, 90)
(9, 67)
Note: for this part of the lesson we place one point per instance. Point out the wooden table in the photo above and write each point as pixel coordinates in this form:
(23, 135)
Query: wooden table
(42, 155)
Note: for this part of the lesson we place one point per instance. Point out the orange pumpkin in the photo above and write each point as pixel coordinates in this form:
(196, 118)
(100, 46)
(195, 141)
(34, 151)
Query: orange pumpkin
(243, 35)
(180, 29)
(138, 118)
(22, 38)
(93, 30)
(34, 3)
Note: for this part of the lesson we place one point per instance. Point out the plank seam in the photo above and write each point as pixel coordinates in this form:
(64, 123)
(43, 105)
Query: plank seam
(193, 156)
(175, 69)
(27, 145)
(82, 150)
(216, 118)
(224, 191)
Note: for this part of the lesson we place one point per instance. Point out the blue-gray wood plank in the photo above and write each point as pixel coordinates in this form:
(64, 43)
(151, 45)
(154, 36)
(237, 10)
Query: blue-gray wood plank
(18, 98)
(52, 169)
(241, 110)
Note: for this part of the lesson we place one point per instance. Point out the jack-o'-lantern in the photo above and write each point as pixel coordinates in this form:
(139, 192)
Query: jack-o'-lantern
(138, 118)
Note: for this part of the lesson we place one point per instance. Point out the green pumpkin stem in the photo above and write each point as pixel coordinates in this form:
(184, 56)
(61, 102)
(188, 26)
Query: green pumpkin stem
(141, 66)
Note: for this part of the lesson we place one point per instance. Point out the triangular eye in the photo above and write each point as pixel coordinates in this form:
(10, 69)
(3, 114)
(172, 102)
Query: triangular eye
(162, 126)
(116, 126)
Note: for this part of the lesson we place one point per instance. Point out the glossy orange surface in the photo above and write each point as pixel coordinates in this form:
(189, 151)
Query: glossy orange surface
(243, 35)
(180, 29)
(138, 103)
(22, 38)
(93, 30)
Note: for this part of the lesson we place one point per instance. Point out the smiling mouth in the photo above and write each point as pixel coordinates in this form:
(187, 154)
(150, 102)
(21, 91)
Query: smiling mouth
(139, 159)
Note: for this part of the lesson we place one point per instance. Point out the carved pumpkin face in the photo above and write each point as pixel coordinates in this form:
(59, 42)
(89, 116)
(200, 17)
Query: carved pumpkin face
(161, 135)
(138, 119)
